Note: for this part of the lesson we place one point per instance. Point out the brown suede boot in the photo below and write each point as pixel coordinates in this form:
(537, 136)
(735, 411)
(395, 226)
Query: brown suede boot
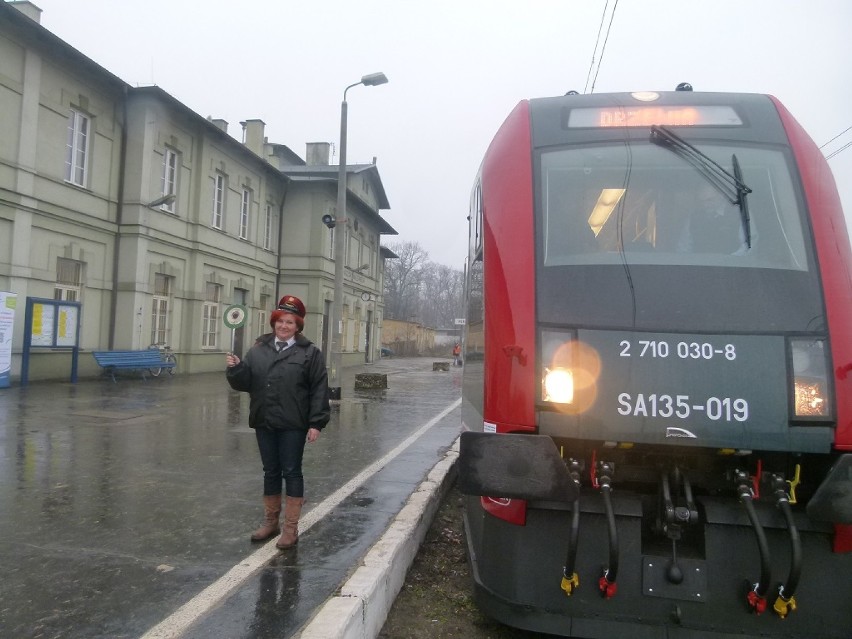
(272, 511)
(290, 530)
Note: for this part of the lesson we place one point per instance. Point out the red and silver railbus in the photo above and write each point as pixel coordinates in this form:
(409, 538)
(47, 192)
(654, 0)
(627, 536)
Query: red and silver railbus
(657, 395)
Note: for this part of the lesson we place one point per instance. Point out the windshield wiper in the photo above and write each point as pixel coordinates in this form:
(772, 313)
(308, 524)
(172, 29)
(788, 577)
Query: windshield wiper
(728, 184)
(742, 191)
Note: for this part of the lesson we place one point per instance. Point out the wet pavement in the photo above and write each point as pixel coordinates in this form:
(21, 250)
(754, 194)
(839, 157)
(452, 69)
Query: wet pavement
(121, 503)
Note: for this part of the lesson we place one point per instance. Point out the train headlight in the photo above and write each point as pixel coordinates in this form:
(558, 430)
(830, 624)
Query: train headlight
(811, 392)
(558, 386)
(569, 371)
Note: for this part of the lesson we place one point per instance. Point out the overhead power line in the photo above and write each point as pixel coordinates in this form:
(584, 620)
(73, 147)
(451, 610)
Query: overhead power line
(836, 136)
(606, 39)
(842, 148)
(595, 50)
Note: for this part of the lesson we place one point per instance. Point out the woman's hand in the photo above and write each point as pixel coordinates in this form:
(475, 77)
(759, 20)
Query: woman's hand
(231, 360)
(313, 433)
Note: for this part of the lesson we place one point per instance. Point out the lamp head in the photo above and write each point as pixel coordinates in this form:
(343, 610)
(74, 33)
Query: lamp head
(329, 220)
(373, 79)
(165, 200)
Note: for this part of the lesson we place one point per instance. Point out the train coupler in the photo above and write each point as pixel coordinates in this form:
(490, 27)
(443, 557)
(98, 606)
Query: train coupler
(675, 515)
(784, 605)
(569, 584)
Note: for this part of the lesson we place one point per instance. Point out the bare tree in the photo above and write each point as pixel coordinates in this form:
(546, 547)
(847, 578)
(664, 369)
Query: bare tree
(403, 279)
(441, 295)
(415, 288)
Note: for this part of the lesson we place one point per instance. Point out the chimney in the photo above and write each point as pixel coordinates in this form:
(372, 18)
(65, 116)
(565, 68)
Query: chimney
(253, 135)
(222, 125)
(28, 9)
(317, 153)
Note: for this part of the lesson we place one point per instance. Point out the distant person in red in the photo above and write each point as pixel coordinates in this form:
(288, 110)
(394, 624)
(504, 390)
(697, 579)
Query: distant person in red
(285, 376)
(457, 354)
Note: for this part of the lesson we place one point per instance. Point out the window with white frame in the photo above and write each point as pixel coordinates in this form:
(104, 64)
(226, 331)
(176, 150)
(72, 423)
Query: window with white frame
(267, 228)
(69, 280)
(218, 201)
(366, 258)
(168, 180)
(210, 317)
(160, 309)
(245, 208)
(354, 252)
(263, 315)
(77, 148)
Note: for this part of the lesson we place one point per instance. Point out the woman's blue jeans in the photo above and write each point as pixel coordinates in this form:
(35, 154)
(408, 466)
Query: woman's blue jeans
(281, 453)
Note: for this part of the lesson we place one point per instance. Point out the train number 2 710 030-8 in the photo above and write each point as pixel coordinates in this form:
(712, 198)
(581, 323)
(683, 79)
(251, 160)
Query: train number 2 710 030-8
(683, 350)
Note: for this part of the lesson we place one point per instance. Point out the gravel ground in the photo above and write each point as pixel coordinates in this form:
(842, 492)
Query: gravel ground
(436, 600)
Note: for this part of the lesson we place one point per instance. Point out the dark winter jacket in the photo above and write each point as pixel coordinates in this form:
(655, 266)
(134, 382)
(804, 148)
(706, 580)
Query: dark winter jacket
(289, 390)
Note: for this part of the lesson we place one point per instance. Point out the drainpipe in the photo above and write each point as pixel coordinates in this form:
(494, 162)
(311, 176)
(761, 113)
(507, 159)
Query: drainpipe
(119, 214)
(280, 241)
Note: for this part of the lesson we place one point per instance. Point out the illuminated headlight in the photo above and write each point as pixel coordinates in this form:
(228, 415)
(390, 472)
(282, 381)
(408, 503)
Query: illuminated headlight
(810, 398)
(569, 371)
(811, 391)
(558, 386)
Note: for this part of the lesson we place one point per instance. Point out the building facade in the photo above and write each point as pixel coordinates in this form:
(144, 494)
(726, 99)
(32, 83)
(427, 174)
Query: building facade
(155, 219)
(409, 338)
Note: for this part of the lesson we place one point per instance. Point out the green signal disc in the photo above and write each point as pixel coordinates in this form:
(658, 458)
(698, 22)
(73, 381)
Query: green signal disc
(235, 316)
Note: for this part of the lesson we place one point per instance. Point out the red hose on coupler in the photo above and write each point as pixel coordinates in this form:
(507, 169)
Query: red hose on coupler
(756, 598)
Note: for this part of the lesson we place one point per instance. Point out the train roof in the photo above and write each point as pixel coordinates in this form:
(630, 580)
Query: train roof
(573, 118)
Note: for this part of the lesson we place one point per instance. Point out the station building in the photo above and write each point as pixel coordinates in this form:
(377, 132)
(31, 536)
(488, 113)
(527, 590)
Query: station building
(156, 219)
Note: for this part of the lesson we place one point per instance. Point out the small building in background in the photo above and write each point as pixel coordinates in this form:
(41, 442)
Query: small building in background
(408, 338)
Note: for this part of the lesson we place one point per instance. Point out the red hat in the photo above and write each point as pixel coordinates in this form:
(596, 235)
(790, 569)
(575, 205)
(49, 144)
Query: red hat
(290, 304)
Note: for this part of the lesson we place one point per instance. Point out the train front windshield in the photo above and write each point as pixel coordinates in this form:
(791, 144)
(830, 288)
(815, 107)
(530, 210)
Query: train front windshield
(671, 248)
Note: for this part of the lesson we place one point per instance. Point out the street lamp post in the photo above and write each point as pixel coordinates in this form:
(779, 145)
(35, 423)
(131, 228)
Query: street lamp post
(336, 317)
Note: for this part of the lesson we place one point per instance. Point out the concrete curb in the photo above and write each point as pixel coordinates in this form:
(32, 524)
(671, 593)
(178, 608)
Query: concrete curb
(361, 608)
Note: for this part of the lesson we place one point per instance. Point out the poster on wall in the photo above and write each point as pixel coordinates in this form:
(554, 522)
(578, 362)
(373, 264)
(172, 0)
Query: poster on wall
(7, 320)
(50, 324)
(66, 327)
(42, 326)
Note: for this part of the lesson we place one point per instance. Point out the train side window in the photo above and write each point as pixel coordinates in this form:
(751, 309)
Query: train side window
(475, 219)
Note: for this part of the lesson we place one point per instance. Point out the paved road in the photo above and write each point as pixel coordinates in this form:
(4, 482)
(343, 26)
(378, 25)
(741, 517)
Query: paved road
(126, 507)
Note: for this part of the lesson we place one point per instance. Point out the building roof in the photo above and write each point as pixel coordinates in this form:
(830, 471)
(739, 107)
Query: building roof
(210, 128)
(332, 170)
(285, 154)
(32, 30)
(328, 173)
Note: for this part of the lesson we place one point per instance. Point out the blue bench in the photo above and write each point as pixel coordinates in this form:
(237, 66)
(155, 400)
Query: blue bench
(140, 360)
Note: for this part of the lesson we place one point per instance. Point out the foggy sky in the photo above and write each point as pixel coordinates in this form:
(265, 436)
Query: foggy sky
(456, 68)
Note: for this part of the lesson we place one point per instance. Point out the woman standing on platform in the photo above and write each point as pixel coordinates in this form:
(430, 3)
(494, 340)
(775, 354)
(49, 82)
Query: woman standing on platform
(285, 375)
